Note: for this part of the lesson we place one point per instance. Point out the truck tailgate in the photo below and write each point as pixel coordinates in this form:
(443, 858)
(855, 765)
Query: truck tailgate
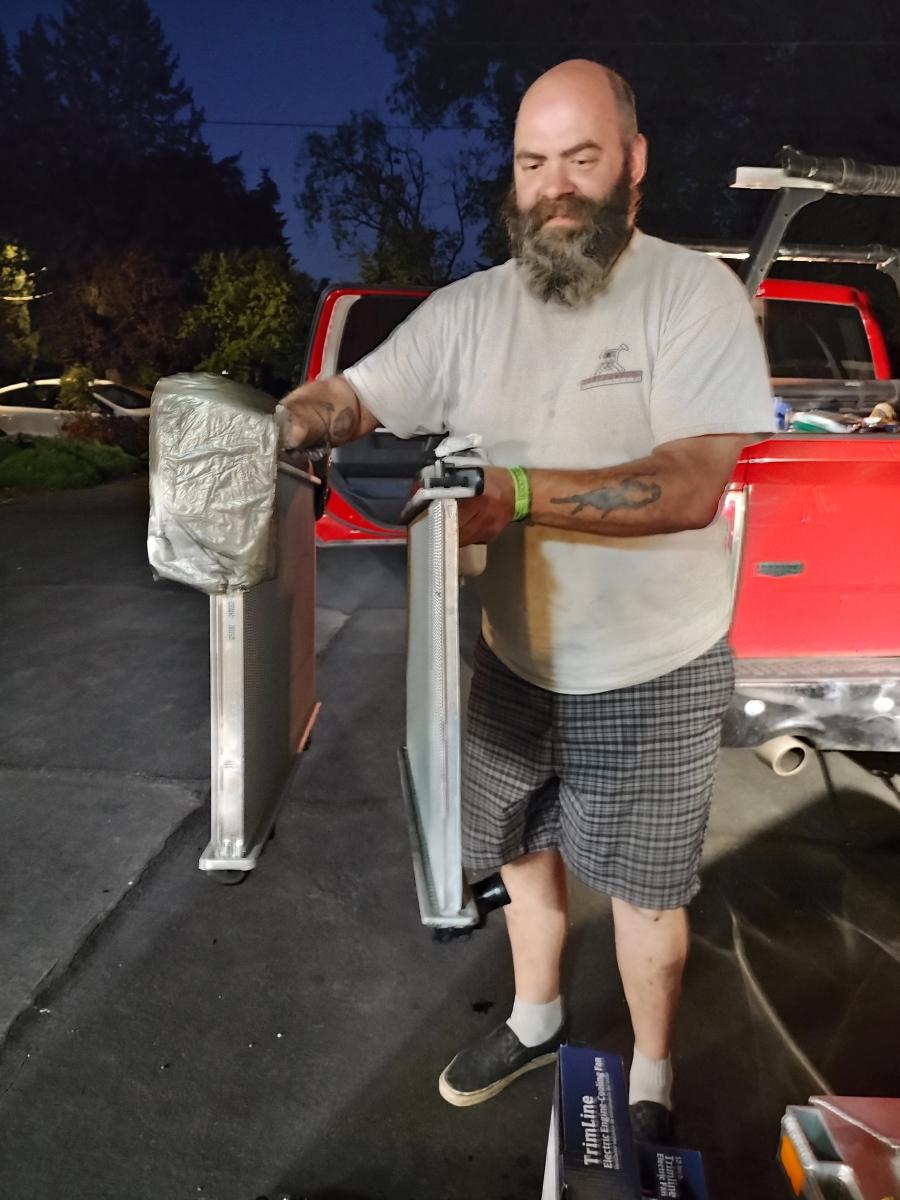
(820, 561)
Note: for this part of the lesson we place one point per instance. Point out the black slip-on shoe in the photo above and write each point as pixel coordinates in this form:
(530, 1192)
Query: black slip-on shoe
(652, 1123)
(491, 1064)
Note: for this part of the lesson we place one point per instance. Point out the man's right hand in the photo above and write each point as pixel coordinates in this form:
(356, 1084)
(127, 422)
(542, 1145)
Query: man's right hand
(325, 413)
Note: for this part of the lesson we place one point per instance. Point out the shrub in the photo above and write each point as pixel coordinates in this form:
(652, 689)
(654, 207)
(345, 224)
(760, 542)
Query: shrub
(111, 461)
(75, 389)
(145, 376)
(131, 435)
(40, 467)
(55, 463)
(84, 426)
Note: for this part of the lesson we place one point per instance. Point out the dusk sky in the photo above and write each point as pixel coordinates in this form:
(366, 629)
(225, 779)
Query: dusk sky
(274, 60)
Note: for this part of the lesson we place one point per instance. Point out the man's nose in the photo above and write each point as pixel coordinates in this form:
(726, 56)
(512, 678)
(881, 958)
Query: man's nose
(555, 181)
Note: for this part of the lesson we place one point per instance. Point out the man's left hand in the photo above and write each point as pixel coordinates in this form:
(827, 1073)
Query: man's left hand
(484, 516)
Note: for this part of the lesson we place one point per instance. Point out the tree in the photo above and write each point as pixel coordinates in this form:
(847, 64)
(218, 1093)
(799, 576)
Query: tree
(374, 195)
(253, 319)
(106, 147)
(18, 344)
(111, 187)
(112, 75)
(123, 316)
(94, 100)
(7, 81)
(726, 84)
(75, 389)
(6, 95)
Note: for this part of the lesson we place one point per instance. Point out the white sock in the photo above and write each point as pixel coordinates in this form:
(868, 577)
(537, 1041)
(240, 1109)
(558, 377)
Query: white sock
(535, 1023)
(650, 1079)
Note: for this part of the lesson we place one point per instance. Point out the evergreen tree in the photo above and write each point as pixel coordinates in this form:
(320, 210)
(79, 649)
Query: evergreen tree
(107, 166)
(6, 137)
(113, 81)
(107, 147)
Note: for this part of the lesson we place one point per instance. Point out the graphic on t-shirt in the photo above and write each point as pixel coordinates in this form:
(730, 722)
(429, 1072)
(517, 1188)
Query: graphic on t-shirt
(610, 370)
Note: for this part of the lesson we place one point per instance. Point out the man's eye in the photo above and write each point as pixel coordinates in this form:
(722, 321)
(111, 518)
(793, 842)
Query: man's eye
(584, 162)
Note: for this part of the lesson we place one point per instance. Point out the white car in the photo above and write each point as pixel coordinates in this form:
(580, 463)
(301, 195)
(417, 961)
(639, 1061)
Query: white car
(31, 407)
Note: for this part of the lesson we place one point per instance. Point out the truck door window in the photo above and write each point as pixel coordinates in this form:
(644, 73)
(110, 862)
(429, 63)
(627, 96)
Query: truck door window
(369, 322)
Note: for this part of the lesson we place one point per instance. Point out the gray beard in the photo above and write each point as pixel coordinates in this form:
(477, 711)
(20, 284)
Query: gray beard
(571, 266)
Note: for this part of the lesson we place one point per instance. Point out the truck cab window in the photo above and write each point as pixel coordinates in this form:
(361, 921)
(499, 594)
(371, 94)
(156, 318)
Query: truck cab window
(816, 341)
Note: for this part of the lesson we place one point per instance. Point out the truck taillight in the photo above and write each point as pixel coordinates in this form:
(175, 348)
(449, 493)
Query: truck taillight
(733, 509)
(732, 501)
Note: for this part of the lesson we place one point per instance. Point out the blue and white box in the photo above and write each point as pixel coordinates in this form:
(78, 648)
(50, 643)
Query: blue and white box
(591, 1153)
(670, 1174)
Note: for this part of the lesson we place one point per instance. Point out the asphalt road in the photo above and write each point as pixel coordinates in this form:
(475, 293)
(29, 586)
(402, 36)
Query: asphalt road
(167, 1039)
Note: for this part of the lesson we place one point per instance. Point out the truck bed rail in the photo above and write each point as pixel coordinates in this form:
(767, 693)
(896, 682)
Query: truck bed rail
(839, 395)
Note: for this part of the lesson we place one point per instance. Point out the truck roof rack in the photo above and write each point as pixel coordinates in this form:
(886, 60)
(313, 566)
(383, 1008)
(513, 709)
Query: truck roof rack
(802, 179)
(883, 258)
(812, 172)
(874, 255)
(843, 175)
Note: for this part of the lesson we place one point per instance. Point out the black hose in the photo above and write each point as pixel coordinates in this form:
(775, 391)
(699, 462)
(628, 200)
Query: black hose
(490, 893)
(848, 176)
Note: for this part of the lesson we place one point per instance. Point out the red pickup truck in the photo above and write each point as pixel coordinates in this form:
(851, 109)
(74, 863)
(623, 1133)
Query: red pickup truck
(812, 331)
(816, 572)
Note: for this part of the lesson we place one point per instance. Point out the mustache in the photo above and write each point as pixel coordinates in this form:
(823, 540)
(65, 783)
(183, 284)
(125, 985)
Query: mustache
(571, 265)
(598, 219)
(575, 207)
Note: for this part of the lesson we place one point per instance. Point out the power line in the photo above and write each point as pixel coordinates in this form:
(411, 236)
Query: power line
(746, 43)
(336, 125)
(569, 43)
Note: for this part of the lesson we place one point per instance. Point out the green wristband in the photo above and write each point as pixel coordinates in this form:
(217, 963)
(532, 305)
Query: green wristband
(523, 493)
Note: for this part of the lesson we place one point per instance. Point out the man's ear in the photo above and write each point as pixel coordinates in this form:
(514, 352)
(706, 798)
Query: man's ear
(637, 158)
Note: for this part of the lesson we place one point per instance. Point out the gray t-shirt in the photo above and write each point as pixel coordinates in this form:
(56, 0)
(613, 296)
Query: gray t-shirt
(670, 351)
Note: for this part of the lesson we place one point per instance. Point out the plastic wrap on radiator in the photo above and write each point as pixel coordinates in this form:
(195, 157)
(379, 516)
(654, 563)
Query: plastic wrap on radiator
(213, 462)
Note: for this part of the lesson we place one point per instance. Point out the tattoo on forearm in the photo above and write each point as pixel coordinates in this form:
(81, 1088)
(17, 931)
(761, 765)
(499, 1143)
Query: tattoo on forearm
(630, 492)
(336, 426)
(343, 424)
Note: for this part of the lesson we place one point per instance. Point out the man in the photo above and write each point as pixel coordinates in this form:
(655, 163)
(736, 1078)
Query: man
(614, 379)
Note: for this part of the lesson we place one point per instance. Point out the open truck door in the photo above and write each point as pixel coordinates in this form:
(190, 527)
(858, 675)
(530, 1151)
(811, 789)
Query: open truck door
(371, 479)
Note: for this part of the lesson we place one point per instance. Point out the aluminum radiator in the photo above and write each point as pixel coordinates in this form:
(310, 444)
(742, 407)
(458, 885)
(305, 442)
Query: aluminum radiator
(262, 687)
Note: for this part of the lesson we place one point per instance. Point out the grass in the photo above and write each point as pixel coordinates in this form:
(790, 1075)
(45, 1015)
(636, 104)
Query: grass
(54, 464)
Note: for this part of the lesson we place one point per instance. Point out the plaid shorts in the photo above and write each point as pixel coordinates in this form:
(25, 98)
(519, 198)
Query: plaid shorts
(620, 781)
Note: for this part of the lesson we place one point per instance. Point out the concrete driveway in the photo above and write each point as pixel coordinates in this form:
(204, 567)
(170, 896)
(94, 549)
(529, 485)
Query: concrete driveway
(167, 1039)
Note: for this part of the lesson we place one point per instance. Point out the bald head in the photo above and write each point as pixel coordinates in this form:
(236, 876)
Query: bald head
(578, 164)
(586, 84)
(576, 134)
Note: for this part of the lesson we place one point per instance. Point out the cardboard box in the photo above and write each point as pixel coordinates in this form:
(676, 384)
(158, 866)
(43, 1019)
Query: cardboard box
(591, 1153)
(670, 1174)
